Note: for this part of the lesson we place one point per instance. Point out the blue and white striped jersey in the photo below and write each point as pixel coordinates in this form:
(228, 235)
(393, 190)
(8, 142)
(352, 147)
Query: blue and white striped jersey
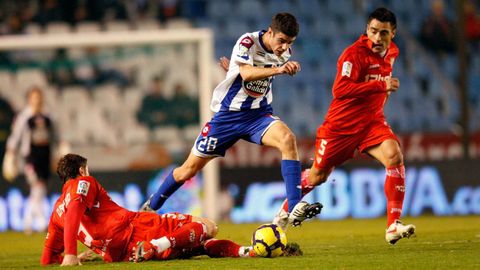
(234, 94)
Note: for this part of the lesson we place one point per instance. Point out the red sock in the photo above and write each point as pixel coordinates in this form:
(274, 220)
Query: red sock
(306, 188)
(221, 248)
(395, 192)
(190, 235)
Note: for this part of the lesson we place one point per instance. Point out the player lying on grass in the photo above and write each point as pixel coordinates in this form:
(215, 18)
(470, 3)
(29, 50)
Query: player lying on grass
(85, 212)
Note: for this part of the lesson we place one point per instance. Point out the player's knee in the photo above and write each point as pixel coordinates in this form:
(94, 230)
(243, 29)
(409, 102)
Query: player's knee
(212, 228)
(288, 142)
(394, 158)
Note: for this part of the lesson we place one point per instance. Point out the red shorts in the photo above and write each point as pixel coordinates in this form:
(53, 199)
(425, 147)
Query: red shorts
(333, 150)
(148, 226)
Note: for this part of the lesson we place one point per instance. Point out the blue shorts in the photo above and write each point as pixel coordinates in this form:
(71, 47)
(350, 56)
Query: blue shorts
(226, 128)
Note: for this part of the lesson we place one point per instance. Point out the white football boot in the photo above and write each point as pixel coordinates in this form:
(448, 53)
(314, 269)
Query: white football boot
(302, 211)
(397, 231)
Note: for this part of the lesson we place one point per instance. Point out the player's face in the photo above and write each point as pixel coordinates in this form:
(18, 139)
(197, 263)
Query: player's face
(35, 100)
(380, 34)
(279, 42)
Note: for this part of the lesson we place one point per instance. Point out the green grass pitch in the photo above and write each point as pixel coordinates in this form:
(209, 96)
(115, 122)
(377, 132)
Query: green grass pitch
(441, 243)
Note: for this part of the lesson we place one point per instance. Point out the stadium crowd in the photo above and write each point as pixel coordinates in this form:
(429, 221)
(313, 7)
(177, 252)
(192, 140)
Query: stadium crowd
(428, 65)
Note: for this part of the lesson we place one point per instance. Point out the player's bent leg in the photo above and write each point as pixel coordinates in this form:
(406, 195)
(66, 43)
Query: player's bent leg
(188, 236)
(211, 226)
(307, 185)
(190, 167)
(282, 138)
(304, 210)
(278, 135)
(390, 155)
(281, 218)
(316, 177)
(174, 181)
(218, 248)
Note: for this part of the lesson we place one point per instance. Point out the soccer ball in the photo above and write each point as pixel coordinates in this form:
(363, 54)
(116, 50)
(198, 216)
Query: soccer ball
(269, 241)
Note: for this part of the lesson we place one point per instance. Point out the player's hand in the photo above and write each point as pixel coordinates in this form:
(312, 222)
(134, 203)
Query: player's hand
(88, 255)
(9, 168)
(70, 259)
(144, 251)
(392, 84)
(291, 68)
(224, 63)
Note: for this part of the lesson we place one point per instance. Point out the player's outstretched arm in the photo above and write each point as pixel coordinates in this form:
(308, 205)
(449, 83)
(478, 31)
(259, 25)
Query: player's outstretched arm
(251, 73)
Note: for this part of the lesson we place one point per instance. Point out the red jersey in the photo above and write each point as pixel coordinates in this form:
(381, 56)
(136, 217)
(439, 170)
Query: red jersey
(105, 227)
(359, 90)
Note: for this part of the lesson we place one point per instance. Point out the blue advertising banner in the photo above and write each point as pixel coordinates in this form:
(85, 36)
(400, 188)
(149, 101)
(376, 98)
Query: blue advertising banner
(128, 189)
(439, 188)
(255, 194)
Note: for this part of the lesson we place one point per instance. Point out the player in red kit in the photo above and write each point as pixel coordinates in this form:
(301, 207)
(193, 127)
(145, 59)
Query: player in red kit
(355, 120)
(85, 212)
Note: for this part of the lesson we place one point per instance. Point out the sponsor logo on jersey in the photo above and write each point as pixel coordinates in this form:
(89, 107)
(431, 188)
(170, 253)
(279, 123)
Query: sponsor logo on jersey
(246, 42)
(257, 88)
(376, 77)
(347, 69)
(83, 187)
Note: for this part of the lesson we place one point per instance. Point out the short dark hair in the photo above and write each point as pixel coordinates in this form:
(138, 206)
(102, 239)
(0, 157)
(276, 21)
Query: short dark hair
(69, 165)
(384, 15)
(285, 23)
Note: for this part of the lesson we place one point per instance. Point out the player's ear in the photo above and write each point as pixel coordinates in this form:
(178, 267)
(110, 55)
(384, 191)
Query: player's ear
(270, 31)
(83, 171)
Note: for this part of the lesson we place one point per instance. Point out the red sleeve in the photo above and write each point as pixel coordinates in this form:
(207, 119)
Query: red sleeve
(349, 83)
(73, 215)
(53, 247)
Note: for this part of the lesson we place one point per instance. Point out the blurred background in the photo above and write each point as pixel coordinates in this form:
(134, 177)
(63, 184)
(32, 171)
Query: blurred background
(133, 111)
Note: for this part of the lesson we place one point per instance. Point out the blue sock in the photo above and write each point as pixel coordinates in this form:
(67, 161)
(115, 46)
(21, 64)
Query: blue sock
(167, 188)
(291, 172)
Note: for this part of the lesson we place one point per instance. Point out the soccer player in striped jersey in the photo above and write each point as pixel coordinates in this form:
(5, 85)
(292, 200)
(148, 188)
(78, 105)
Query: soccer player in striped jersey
(242, 106)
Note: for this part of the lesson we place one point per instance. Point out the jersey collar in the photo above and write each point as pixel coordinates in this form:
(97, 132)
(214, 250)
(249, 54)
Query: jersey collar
(260, 35)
